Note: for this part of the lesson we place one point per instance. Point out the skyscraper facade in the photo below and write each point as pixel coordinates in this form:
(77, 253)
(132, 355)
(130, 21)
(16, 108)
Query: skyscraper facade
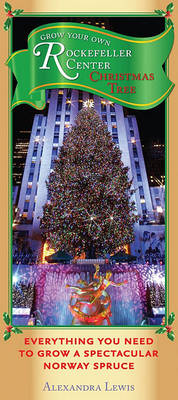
(19, 157)
(47, 136)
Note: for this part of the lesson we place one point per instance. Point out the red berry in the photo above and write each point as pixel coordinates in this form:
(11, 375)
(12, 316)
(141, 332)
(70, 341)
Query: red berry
(9, 328)
(168, 14)
(169, 329)
(9, 14)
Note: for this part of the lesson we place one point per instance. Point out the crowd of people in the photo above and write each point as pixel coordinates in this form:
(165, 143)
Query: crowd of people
(23, 255)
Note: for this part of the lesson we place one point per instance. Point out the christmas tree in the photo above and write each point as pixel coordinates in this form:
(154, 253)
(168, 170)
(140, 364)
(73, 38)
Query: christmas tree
(90, 208)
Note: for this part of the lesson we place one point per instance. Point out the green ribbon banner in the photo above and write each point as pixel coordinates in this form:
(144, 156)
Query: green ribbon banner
(126, 70)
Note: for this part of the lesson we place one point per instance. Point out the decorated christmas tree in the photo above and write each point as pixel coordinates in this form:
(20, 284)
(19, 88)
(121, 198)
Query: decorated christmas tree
(90, 208)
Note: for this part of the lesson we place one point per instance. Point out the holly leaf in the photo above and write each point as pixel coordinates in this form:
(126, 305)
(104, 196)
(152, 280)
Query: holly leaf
(6, 318)
(170, 7)
(7, 7)
(171, 318)
(17, 12)
(16, 330)
(169, 23)
(7, 24)
(161, 330)
(7, 335)
(162, 13)
(171, 336)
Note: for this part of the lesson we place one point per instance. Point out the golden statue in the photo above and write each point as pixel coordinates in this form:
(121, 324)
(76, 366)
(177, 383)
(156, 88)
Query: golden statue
(90, 304)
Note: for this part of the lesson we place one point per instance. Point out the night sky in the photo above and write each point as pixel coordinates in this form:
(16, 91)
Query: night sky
(151, 122)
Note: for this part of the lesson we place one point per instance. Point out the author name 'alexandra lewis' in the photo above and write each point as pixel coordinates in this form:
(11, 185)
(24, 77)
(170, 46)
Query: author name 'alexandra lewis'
(106, 387)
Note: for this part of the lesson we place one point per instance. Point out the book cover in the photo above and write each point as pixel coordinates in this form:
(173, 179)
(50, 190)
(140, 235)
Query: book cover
(88, 233)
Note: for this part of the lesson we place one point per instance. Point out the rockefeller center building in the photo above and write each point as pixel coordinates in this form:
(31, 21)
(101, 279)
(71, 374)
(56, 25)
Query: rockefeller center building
(47, 136)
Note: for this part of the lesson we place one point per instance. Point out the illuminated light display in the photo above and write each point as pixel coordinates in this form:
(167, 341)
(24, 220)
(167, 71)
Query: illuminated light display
(47, 251)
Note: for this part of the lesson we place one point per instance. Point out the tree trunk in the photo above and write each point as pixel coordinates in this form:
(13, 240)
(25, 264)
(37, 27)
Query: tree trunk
(90, 252)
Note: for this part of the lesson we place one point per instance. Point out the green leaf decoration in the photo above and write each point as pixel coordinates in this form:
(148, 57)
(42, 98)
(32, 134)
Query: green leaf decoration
(7, 24)
(161, 330)
(162, 13)
(6, 318)
(16, 330)
(171, 318)
(17, 12)
(7, 335)
(171, 336)
(168, 23)
(170, 7)
(7, 7)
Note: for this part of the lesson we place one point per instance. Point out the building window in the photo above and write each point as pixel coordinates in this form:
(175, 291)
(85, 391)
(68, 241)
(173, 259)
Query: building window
(139, 178)
(143, 206)
(104, 118)
(52, 164)
(56, 128)
(112, 108)
(32, 166)
(135, 154)
(66, 127)
(132, 133)
(26, 206)
(28, 192)
(34, 153)
(30, 178)
(58, 118)
(114, 128)
(115, 140)
(54, 152)
(68, 106)
(103, 107)
(59, 106)
(137, 166)
(158, 201)
(40, 119)
(113, 118)
(34, 206)
(141, 192)
(56, 139)
(38, 132)
(130, 122)
(35, 149)
(156, 191)
(67, 118)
